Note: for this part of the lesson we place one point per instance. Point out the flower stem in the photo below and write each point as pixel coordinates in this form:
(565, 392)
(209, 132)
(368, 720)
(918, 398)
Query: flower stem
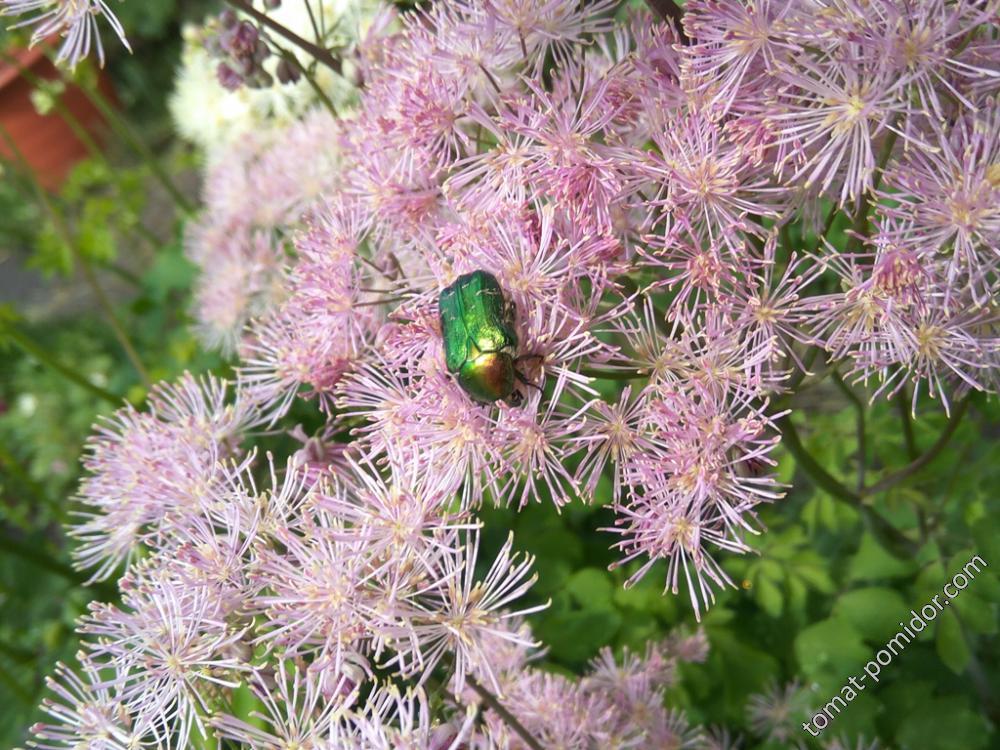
(917, 464)
(310, 78)
(508, 718)
(319, 53)
(34, 554)
(859, 408)
(613, 374)
(861, 224)
(885, 531)
(34, 350)
(906, 420)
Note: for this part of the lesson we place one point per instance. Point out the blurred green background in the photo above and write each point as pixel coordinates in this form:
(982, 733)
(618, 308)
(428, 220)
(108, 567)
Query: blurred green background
(823, 595)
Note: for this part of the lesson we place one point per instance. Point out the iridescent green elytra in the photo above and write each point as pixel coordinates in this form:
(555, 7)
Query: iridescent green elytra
(480, 342)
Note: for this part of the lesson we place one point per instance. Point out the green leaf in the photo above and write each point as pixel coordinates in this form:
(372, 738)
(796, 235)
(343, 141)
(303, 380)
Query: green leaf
(591, 588)
(945, 724)
(874, 612)
(829, 650)
(872, 563)
(576, 636)
(950, 642)
(768, 595)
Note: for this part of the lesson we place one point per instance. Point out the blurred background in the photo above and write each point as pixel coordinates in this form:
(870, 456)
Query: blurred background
(104, 241)
(95, 192)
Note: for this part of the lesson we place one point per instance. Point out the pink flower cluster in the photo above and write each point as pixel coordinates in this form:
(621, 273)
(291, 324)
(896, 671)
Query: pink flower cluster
(636, 199)
(253, 199)
(322, 595)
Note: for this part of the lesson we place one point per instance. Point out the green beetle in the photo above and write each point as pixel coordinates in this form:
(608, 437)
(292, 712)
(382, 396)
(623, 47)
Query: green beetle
(480, 341)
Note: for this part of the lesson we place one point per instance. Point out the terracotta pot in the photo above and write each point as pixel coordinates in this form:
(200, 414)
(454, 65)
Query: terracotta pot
(48, 142)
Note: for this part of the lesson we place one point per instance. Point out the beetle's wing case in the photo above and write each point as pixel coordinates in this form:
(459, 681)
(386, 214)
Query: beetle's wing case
(486, 313)
(453, 329)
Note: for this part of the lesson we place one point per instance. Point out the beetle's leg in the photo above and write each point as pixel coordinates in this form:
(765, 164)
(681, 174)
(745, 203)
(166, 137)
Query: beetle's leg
(527, 382)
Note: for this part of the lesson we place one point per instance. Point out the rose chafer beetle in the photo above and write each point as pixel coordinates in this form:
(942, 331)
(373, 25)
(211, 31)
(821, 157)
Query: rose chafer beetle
(480, 340)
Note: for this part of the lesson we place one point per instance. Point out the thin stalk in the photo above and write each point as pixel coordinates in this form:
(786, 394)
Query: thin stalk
(508, 718)
(68, 117)
(88, 273)
(312, 20)
(785, 234)
(34, 555)
(859, 409)
(861, 224)
(831, 216)
(129, 134)
(613, 374)
(906, 421)
(17, 471)
(671, 12)
(322, 55)
(34, 350)
(320, 94)
(123, 273)
(17, 653)
(913, 467)
(81, 133)
(883, 530)
(15, 687)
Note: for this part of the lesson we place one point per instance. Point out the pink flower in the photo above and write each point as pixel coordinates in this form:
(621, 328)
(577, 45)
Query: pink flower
(150, 472)
(74, 20)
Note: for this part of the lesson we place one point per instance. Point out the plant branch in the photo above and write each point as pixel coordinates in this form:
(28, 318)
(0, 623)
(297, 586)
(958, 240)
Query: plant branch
(34, 350)
(613, 374)
(885, 531)
(859, 409)
(319, 53)
(670, 12)
(906, 420)
(509, 719)
(861, 224)
(33, 554)
(291, 59)
(898, 476)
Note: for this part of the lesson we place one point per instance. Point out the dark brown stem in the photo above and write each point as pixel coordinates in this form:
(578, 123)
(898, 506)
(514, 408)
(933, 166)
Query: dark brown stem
(670, 12)
(906, 420)
(508, 718)
(319, 53)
